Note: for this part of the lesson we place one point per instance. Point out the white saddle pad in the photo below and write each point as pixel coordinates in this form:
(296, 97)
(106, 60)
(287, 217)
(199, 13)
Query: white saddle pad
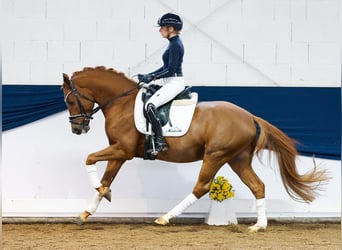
(181, 113)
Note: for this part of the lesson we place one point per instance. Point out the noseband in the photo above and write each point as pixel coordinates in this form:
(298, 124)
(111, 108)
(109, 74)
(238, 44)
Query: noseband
(83, 114)
(88, 116)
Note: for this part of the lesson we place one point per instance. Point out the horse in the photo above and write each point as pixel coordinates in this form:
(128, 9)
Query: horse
(220, 132)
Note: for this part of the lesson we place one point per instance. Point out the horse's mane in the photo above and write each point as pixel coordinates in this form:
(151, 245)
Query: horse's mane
(102, 69)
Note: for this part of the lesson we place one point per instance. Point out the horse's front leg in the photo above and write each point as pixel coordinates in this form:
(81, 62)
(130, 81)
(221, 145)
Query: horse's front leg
(113, 152)
(102, 188)
(116, 157)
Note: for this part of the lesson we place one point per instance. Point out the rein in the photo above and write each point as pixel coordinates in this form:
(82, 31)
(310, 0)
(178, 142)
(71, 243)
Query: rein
(88, 116)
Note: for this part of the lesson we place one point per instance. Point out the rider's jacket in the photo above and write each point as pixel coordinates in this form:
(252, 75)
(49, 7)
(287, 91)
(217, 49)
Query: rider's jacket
(172, 59)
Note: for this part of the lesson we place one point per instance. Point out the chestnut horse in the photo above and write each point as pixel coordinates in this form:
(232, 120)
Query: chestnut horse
(220, 132)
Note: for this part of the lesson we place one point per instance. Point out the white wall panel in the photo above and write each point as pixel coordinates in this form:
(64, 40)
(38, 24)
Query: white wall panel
(256, 53)
(50, 30)
(64, 51)
(201, 53)
(205, 74)
(247, 75)
(323, 10)
(31, 51)
(230, 54)
(324, 53)
(118, 30)
(12, 69)
(129, 9)
(7, 51)
(93, 9)
(298, 11)
(212, 28)
(262, 10)
(282, 10)
(279, 74)
(259, 31)
(16, 29)
(136, 55)
(97, 51)
(153, 9)
(63, 9)
(190, 7)
(315, 74)
(80, 30)
(315, 31)
(145, 31)
(292, 53)
(225, 25)
(29, 9)
(46, 73)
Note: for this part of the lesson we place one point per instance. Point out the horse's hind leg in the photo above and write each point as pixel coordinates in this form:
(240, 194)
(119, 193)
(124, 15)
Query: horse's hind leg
(207, 173)
(243, 168)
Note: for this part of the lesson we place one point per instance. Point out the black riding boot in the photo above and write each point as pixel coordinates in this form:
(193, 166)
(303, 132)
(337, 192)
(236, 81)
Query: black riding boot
(153, 117)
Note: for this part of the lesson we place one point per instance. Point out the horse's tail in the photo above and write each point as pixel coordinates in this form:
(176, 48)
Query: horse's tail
(299, 187)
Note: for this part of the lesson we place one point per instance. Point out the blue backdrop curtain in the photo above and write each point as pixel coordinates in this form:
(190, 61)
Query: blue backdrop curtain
(312, 116)
(22, 104)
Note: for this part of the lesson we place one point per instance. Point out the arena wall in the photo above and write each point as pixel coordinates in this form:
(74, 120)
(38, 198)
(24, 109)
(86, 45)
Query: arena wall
(44, 176)
(228, 43)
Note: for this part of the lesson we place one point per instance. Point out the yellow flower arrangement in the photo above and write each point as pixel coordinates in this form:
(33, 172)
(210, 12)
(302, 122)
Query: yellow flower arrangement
(221, 189)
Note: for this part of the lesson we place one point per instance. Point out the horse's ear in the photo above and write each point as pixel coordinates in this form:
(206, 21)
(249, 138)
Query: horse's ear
(66, 79)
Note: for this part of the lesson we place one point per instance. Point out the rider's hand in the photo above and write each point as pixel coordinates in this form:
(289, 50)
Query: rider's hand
(146, 78)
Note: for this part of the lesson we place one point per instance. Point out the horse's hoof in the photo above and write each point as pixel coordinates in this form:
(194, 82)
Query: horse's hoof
(82, 219)
(255, 228)
(161, 221)
(107, 193)
(79, 221)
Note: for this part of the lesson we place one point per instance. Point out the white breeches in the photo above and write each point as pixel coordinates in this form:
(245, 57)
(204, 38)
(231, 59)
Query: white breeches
(171, 86)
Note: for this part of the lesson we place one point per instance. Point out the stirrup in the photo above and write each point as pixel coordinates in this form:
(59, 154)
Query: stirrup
(159, 144)
(157, 150)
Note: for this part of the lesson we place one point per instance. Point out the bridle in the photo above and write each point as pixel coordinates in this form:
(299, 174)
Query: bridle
(88, 116)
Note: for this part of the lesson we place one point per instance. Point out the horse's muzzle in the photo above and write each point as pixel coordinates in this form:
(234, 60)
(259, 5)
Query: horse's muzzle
(80, 129)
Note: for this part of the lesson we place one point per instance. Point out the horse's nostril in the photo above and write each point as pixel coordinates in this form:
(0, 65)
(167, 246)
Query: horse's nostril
(77, 131)
(86, 129)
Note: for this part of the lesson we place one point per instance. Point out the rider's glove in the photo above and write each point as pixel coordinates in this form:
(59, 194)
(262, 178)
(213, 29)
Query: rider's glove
(146, 78)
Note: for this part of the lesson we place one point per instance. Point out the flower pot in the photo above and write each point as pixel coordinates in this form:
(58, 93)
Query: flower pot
(221, 213)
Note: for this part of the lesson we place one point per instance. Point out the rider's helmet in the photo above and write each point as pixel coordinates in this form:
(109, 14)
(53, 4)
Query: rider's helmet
(170, 19)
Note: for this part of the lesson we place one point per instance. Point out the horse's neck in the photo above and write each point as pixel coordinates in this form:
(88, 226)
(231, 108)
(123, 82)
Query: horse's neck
(112, 89)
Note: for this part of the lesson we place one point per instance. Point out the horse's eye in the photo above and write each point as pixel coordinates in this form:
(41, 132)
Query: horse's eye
(71, 103)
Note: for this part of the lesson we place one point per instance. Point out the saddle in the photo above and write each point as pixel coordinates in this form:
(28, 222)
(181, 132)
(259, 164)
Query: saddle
(164, 110)
(175, 115)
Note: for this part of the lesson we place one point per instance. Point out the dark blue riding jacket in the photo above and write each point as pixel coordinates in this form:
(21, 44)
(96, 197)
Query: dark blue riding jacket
(172, 59)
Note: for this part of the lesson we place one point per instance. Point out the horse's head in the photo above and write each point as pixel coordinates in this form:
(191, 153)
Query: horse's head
(80, 106)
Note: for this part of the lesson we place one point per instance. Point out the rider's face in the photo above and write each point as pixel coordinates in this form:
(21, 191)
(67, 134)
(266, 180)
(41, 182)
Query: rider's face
(165, 31)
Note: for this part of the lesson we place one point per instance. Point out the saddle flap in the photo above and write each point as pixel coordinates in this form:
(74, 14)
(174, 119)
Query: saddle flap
(176, 120)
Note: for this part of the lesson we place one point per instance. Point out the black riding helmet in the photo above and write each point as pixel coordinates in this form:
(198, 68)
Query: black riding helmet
(170, 19)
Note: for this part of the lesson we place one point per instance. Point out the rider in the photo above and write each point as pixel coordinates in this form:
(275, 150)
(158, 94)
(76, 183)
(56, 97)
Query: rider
(170, 73)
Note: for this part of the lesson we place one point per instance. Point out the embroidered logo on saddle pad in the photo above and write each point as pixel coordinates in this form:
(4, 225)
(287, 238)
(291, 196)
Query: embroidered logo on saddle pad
(175, 120)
